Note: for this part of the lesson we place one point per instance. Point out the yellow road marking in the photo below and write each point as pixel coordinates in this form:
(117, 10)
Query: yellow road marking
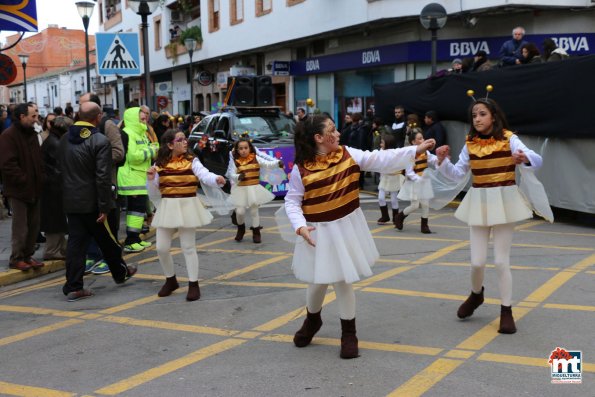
(169, 367)
(30, 391)
(441, 252)
(590, 272)
(250, 268)
(38, 331)
(561, 233)
(528, 304)
(459, 354)
(422, 294)
(383, 276)
(265, 285)
(251, 252)
(392, 261)
(528, 225)
(170, 326)
(292, 315)
(130, 305)
(223, 240)
(30, 288)
(408, 238)
(488, 333)
(569, 307)
(550, 286)
(514, 267)
(531, 361)
(38, 310)
(424, 380)
(584, 264)
(553, 247)
(248, 335)
(390, 347)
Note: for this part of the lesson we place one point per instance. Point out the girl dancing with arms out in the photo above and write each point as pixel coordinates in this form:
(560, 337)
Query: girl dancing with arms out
(175, 177)
(336, 246)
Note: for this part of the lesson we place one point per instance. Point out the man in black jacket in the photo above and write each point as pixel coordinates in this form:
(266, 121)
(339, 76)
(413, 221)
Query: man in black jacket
(86, 163)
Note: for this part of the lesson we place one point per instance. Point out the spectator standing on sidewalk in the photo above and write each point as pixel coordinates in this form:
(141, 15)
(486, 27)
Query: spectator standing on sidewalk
(435, 129)
(86, 164)
(21, 165)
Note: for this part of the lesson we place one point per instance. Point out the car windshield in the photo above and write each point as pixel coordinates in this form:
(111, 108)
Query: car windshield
(264, 126)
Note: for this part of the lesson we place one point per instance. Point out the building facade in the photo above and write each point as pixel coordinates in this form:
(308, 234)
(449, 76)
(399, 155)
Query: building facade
(333, 52)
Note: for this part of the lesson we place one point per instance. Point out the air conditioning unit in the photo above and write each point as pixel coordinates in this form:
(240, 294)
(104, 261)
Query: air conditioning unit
(177, 16)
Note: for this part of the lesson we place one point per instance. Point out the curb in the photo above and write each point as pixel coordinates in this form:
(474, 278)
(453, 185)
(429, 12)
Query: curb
(13, 276)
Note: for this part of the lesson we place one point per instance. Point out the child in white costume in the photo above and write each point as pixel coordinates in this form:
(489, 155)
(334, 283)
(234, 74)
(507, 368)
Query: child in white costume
(390, 183)
(494, 202)
(175, 177)
(335, 244)
(417, 189)
(246, 191)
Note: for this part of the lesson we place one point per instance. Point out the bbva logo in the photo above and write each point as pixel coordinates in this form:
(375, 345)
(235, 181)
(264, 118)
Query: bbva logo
(465, 48)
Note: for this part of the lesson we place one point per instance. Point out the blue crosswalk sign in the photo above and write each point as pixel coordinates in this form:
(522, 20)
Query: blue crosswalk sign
(117, 53)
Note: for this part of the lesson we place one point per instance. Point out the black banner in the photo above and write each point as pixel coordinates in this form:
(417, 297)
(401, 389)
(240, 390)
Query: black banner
(552, 99)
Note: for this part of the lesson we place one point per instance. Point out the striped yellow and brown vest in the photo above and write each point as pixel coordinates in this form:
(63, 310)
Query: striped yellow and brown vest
(251, 169)
(491, 161)
(331, 186)
(177, 179)
(421, 163)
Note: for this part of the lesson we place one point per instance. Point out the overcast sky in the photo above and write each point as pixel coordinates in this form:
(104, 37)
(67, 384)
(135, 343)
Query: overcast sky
(59, 12)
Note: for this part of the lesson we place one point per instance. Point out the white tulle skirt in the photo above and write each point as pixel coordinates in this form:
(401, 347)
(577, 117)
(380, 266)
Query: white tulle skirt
(246, 196)
(493, 206)
(186, 212)
(345, 251)
(390, 183)
(420, 189)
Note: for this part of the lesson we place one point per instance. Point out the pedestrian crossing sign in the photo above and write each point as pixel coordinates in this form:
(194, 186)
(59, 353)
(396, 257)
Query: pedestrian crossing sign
(117, 53)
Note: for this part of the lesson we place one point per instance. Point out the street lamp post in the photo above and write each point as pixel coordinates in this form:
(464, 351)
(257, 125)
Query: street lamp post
(144, 8)
(190, 45)
(85, 9)
(104, 91)
(24, 58)
(433, 18)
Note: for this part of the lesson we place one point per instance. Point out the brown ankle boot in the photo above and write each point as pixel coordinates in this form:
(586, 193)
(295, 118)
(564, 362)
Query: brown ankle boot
(424, 226)
(256, 234)
(193, 291)
(171, 284)
(469, 306)
(310, 327)
(399, 220)
(506, 321)
(384, 215)
(348, 339)
(395, 214)
(241, 231)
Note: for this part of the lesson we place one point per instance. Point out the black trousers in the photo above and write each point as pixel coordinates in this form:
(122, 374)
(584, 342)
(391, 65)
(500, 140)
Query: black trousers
(81, 229)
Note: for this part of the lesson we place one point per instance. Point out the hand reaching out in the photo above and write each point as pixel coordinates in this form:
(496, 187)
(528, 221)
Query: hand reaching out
(428, 144)
(520, 157)
(151, 173)
(220, 180)
(442, 152)
(304, 231)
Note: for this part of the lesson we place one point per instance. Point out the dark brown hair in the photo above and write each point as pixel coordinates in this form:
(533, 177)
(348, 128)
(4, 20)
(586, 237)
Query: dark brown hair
(500, 123)
(236, 145)
(164, 153)
(305, 146)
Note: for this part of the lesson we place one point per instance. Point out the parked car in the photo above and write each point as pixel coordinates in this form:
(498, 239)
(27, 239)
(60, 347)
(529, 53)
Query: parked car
(269, 129)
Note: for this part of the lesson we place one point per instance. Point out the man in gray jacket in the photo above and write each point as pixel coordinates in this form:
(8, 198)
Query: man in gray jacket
(86, 164)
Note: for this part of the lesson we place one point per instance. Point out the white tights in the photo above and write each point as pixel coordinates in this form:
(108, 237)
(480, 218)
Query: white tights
(415, 204)
(241, 215)
(188, 244)
(479, 238)
(394, 202)
(345, 298)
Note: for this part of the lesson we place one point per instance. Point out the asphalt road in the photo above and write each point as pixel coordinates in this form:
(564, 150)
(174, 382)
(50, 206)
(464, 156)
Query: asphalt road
(237, 339)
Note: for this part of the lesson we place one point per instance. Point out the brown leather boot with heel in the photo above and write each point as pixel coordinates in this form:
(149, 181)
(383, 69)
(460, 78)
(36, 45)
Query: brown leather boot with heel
(395, 214)
(193, 291)
(506, 320)
(384, 218)
(349, 348)
(424, 226)
(256, 238)
(171, 284)
(471, 303)
(399, 220)
(310, 327)
(241, 232)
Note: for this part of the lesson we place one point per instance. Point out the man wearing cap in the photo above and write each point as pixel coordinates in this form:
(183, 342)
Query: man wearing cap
(481, 62)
